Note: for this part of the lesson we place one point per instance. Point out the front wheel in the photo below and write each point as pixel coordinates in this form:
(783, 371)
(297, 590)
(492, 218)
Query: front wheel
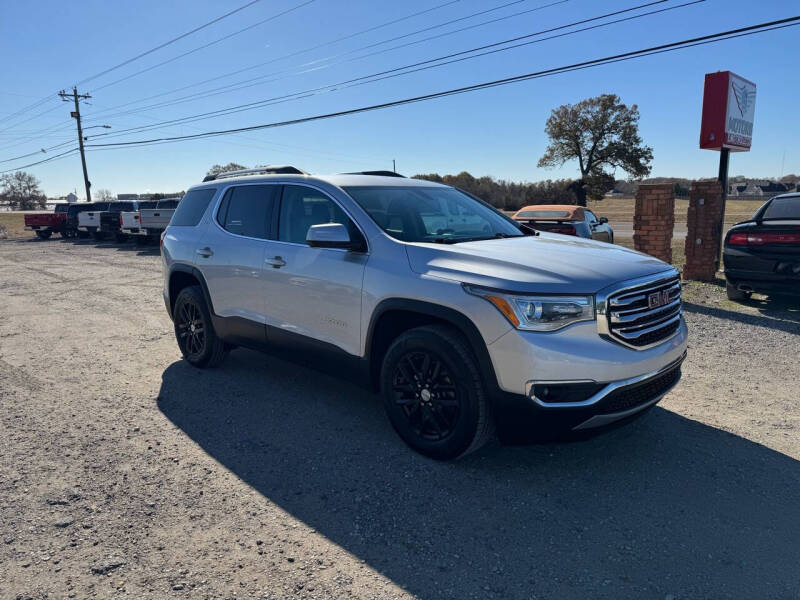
(434, 394)
(194, 331)
(44, 235)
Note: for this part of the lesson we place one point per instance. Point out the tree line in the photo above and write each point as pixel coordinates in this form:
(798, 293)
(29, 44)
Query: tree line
(509, 195)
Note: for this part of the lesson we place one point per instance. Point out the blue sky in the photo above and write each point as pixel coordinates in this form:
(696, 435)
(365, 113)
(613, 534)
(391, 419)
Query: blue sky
(49, 45)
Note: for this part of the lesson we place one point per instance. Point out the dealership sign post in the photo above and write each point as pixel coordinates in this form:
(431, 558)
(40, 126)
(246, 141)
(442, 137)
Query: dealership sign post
(729, 104)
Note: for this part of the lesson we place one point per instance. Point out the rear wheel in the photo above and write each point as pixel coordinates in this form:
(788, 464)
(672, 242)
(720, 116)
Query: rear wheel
(194, 331)
(68, 233)
(44, 235)
(82, 234)
(734, 293)
(434, 394)
(121, 237)
(97, 235)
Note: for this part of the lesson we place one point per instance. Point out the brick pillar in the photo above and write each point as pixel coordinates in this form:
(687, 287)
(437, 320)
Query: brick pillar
(654, 219)
(702, 234)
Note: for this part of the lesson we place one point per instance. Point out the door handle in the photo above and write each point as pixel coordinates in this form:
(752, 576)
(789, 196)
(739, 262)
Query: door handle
(205, 252)
(276, 262)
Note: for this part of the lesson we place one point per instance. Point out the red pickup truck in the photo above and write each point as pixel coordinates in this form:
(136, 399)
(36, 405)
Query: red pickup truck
(44, 224)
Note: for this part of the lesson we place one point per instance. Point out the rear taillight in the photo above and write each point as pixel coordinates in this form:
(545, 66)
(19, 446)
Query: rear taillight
(563, 229)
(760, 239)
(120, 220)
(161, 239)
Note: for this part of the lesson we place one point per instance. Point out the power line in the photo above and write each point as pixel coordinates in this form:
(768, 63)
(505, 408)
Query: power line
(33, 164)
(261, 78)
(202, 47)
(707, 39)
(168, 42)
(285, 56)
(338, 85)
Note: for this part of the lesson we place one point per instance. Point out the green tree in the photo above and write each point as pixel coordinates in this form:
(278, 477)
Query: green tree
(217, 169)
(599, 133)
(22, 191)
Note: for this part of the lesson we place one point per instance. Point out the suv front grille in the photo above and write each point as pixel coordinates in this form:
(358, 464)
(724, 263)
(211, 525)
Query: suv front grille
(645, 315)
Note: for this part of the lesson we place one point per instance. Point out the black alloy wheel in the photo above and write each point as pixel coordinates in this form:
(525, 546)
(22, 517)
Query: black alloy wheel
(194, 330)
(191, 330)
(434, 394)
(424, 389)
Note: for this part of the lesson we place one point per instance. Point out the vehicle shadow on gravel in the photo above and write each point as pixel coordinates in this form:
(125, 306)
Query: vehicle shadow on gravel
(665, 506)
(782, 315)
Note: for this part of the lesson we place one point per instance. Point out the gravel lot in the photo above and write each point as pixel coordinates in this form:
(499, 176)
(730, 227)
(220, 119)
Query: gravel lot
(126, 473)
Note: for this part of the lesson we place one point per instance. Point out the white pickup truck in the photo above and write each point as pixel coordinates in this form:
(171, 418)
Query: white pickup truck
(89, 219)
(130, 221)
(152, 221)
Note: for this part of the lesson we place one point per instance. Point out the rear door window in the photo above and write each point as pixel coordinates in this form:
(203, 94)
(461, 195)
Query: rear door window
(247, 210)
(192, 208)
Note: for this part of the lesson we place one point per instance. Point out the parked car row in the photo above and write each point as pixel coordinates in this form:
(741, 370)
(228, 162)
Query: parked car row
(119, 220)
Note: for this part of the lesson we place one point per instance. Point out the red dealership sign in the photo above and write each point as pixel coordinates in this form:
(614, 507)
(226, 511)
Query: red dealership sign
(729, 103)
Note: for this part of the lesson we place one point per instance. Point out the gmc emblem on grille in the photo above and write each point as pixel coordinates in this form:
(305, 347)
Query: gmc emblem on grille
(657, 299)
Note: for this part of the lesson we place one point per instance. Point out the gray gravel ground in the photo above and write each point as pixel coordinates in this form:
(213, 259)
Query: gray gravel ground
(126, 473)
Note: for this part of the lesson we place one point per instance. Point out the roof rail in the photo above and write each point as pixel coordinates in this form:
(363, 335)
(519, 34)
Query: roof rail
(377, 173)
(265, 170)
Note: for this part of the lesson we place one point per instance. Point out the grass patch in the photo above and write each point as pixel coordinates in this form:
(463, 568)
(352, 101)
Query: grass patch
(14, 224)
(621, 209)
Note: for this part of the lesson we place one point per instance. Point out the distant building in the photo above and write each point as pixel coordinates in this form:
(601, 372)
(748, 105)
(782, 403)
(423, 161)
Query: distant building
(128, 197)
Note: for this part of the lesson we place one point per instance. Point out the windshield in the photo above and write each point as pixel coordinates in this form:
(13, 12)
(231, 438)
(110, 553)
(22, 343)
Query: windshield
(783, 208)
(431, 214)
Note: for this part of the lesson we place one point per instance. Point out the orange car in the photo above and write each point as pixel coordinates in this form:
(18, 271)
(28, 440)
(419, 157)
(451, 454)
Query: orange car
(566, 219)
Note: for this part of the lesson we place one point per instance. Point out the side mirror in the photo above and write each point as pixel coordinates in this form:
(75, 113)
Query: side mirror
(603, 220)
(329, 235)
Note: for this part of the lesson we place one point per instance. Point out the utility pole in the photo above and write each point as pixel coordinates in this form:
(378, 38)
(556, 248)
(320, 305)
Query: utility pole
(722, 177)
(394, 167)
(76, 114)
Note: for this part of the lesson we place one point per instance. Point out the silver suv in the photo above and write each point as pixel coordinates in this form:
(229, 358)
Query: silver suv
(467, 322)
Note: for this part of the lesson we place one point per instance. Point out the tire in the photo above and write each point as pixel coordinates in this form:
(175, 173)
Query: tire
(121, 237)
(98, 235)
(82, 234)
(194, 331)
(734, 293)
(68, 233)
(444, 420)
(44, 235)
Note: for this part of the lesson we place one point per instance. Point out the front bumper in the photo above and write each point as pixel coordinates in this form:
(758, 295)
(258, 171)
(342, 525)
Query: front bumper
(597, 382)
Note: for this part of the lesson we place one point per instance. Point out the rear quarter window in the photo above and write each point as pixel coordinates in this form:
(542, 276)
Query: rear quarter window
(783, 208)
(192, 208)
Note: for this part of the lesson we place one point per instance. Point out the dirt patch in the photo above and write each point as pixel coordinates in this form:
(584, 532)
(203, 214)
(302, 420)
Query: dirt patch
(126, 473)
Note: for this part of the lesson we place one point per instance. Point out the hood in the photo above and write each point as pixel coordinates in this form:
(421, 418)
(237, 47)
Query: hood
(547, 263)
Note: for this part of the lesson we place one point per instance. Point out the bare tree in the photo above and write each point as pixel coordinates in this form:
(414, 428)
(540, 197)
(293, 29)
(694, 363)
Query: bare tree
(217, 169)
(104, 195)
(22, 191)
(597, 132)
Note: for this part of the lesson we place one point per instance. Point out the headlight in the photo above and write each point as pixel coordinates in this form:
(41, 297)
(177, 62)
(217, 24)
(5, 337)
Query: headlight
(538, 313)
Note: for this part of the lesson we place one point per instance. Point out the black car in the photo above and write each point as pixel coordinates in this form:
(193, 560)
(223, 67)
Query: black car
(110, 219)
(763, 255)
